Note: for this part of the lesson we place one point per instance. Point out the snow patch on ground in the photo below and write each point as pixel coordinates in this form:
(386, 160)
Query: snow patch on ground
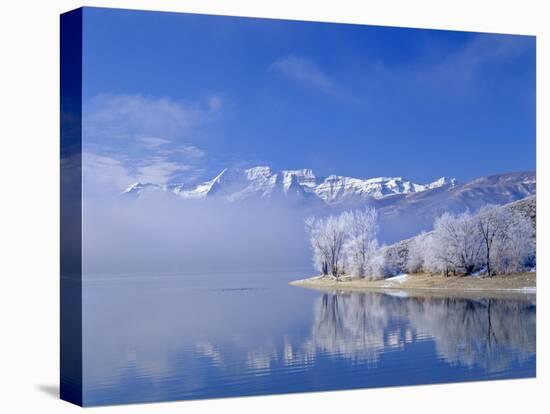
(479, 273)
(399, 278)
(308, 279)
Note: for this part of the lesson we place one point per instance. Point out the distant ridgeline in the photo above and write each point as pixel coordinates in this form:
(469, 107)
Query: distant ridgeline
(404, 208)
(262, 182)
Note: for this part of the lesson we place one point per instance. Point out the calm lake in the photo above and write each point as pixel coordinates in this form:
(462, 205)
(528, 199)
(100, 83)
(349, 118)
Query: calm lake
(207, 336)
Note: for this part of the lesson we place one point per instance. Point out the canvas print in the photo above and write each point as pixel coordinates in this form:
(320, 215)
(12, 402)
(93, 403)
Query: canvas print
(259, 206)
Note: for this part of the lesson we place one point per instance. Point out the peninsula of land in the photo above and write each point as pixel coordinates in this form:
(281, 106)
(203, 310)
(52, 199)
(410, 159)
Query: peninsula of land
(518, 283)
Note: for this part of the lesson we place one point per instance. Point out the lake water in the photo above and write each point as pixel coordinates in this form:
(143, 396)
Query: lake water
(206, 336)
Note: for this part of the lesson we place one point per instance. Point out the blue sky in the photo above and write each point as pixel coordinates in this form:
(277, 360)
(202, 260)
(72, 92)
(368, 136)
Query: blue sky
(178, 97)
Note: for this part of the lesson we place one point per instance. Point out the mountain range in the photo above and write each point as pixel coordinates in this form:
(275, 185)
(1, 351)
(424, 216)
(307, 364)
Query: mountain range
(262, 182)
(405, 208)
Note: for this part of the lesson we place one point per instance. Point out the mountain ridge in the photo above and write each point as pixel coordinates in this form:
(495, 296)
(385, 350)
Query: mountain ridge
(235, 184)
(406, 215)
(404, 208)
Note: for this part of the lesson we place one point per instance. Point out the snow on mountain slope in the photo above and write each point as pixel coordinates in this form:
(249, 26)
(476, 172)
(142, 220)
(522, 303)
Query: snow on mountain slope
(405, 215)
(336, 188)
(234, 185)
(405, 208)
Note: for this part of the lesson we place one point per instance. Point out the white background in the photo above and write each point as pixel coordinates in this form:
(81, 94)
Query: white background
(29, 207)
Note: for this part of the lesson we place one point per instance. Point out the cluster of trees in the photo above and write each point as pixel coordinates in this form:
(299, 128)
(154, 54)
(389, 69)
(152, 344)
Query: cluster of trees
(345, 243)
(496, 240)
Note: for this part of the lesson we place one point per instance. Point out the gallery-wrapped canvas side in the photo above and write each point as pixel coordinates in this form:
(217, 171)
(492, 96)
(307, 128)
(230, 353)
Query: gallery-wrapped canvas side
(71, 207)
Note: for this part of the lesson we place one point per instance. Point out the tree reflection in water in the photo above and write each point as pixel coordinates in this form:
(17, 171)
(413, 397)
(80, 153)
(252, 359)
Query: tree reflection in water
(489, 333)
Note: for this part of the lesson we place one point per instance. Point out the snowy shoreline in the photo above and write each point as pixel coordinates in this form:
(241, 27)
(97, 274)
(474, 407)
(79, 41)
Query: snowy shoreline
(521, 283)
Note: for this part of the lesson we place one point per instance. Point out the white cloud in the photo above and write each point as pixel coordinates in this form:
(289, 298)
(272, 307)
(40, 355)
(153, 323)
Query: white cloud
(104, 173)
(215, 103)
(153, 142)
(109, 174)
(304, 72)
(460, 69)
(133, 138)
(131, 116)
(191, 151)
(159, 170)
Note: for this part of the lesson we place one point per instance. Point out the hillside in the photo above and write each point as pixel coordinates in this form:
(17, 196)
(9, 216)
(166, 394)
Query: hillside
(403, 216)
(400, 250)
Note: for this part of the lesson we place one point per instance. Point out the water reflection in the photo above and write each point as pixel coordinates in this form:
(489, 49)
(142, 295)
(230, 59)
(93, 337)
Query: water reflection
(491, 333)
(151, 341)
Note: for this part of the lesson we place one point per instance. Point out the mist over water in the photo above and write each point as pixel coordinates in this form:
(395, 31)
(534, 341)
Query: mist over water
(163, 234)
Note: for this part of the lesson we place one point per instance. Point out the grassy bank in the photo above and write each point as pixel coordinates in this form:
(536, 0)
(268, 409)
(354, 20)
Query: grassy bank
(519, 283)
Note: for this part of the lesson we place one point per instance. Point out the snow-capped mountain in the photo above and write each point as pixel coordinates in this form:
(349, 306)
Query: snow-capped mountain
(235, 185)
(404, 208)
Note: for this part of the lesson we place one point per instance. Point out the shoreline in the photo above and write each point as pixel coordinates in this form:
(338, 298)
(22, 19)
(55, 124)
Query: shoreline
(514, 284)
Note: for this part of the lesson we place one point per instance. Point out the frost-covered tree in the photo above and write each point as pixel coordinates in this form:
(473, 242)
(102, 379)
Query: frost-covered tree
(318, 245)
(376, 265)
(416, 253)
(514, 249)
(493, 228)
(497, 239)
(361, 241)
(437, 257)
(457, 244)
(327, 238)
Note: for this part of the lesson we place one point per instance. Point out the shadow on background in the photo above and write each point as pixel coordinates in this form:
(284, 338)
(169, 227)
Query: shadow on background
(49, 389)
